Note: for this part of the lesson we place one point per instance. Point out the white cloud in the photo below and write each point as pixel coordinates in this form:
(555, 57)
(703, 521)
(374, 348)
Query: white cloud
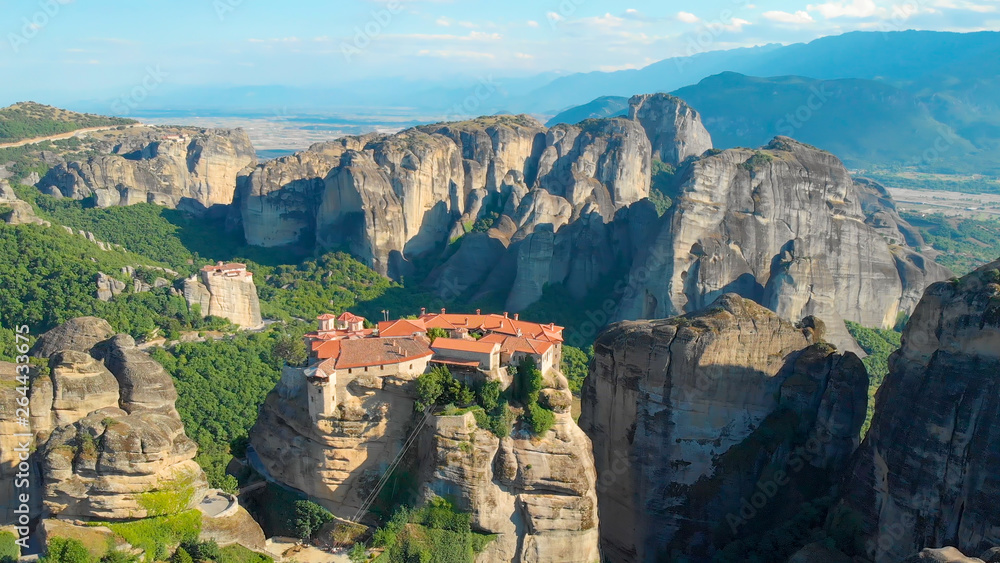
(798, 17)
(524, 56)
(532, 23)
(443, 22)
(851, 9)
(447, 54)
(688, 17)
(735, 25)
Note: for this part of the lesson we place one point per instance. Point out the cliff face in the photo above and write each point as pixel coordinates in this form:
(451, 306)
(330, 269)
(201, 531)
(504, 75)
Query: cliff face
(391, 198)
(785, 227)
(537, 494)
(674, 128)
(228, 297)
(926, 474)
(111, 444)
(710, 426)
(189, 168)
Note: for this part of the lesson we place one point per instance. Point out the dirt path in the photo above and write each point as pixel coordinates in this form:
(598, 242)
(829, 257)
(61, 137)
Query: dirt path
(60, 136)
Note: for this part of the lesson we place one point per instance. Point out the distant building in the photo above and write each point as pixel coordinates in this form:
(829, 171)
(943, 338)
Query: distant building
(225, 290)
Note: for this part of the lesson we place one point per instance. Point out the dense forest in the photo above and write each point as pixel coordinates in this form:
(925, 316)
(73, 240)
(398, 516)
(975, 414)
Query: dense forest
(29, 120)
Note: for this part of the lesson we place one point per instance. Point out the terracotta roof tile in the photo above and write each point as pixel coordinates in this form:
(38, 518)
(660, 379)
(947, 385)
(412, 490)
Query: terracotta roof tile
(458, 345)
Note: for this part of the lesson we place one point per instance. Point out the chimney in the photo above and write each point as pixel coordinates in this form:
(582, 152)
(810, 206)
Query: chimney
(505, 314)
(442, 310)
(479, 312)
(516, 315)
(423, 311)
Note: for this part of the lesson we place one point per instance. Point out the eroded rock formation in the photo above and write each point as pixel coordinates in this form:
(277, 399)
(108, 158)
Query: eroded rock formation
(391, 198)
(787, 227)
(226, 291)
(674, 128)
(111, 444)
(194, 169)
(536, 493)
(693, 418)
(926, 474)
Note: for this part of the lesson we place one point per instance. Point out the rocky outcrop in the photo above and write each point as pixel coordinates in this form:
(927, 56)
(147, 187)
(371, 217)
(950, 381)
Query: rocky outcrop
(116, 465)
(392, 198)
(674, 128)
(784, 226)
(111, 444)
(79, 334)
(535, 493)
(193, 169)
(230, 295)
(11, 445)
(13, 211)
(703, 424)
(925, 475)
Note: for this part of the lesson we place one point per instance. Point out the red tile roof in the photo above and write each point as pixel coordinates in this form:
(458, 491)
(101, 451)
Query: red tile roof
(401, 327)
(348, 316)
(364, 352)
(494, 323)
(511, 344)
(326, 317)
(458, 345)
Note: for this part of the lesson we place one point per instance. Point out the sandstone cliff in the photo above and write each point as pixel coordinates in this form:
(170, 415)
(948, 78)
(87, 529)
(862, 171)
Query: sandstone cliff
(537, 494)
(178, 167)
(926, 474)
(694, 419)
(111, 444)
(232, 297)
(392, 198)
(786, 227)
(674, 128)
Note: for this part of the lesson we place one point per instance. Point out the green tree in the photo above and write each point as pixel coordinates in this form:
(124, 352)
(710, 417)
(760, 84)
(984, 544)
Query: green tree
(576, 365)
(435, 333)
(309, 518)
(181, 556)
(116, 556)
(489, 395)
(291, 350)
(358, 553)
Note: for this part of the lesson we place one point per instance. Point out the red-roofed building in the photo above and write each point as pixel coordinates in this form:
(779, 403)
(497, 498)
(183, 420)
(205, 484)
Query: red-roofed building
(339, 362)
(231, 270)
(478, 346)
(457, 351)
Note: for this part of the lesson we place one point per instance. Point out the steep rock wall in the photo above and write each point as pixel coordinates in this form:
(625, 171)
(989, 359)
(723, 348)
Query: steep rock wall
(926, 474)
(691, 417)
(195, 170)
(784, 227)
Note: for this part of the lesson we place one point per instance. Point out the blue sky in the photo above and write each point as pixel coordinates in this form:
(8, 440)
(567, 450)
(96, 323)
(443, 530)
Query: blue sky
(58, 50)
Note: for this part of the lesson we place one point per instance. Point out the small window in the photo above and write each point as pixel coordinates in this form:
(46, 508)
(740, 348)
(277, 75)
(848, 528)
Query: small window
(381, 368)
(349, 370)
(366, 368)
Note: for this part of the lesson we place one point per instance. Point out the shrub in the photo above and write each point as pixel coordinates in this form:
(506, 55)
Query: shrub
(9, 550)
(62, 550)
(539, 418)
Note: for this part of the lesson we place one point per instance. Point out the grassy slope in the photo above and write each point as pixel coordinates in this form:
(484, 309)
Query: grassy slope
(28, 120)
